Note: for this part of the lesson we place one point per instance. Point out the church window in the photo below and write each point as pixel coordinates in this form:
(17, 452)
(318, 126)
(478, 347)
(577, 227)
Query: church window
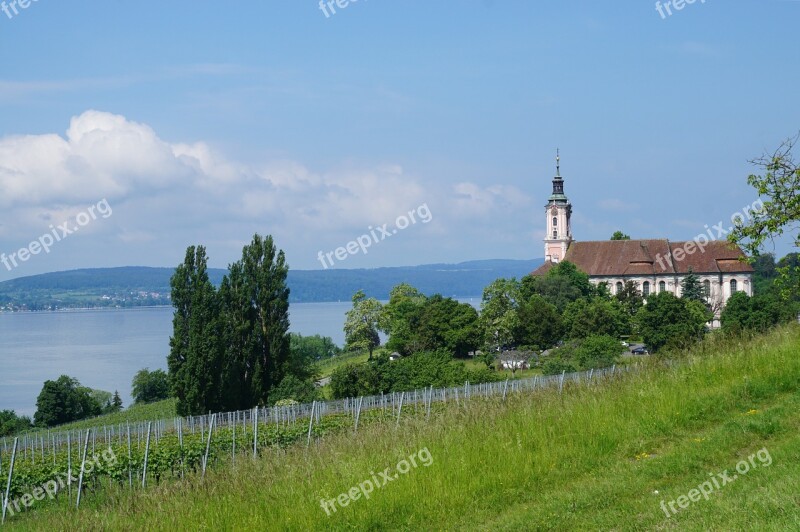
(707, 287)
(646, 289)
(619, 288)
(555, 233)
(662, 286)
(555, 221)
(733, 286)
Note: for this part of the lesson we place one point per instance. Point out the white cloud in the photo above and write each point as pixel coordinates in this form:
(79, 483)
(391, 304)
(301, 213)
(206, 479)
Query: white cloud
(168, 195)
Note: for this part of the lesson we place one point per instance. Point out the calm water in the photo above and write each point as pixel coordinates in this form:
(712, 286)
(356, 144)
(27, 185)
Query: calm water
(105, 348)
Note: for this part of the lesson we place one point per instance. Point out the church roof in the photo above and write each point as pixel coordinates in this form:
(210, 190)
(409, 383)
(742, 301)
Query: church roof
(624, 258)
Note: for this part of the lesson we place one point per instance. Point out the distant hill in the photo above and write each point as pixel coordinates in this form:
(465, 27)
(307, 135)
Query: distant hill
(133, 286)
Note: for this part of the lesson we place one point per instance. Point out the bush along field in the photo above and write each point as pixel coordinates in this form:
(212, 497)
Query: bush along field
(707, 441)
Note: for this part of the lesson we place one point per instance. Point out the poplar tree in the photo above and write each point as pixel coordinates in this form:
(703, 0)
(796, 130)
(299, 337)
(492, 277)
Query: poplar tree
(259, 319)
(194, 360)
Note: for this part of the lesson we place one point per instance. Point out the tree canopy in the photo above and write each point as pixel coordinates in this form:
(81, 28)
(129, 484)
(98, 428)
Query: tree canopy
(230, 347)
(64, 400)
(150, 386)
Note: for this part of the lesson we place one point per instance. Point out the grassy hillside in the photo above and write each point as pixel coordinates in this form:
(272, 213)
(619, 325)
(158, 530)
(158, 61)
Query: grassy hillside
(153, 411)
(601, 457)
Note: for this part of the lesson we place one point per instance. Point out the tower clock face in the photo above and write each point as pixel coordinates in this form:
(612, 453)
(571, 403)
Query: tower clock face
(553, 210)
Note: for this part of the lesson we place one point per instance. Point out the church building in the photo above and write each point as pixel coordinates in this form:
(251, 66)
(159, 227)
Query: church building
(655, 265)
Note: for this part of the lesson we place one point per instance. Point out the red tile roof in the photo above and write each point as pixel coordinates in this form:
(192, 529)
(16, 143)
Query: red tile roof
(620, 258)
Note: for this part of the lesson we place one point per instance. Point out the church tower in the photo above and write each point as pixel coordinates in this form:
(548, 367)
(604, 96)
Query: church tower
(558, 212)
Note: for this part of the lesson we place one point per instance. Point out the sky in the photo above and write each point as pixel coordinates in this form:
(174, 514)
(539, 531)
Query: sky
(153, 126)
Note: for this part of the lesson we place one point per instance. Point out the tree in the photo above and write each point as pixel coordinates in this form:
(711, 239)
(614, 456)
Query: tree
(757, 313)
(400, 316)
(780, 210)
(598, 351)
(556, 290)
(265, 273)
(577, 278)
(116, 402)
(150, 386)
(584, 318)
(667, 321)
(691, 288)
(444, 323)
(619, 235)
(194, 360)
(499, 318)
(765, 272)
(229, 347)
(361, 324)
(539, 323)
(787, 283)
(64, 400)
(295, 389)
(11, 424)
(630, 297)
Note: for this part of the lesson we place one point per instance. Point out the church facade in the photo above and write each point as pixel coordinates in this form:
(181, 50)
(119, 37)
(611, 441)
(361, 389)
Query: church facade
(654, 265)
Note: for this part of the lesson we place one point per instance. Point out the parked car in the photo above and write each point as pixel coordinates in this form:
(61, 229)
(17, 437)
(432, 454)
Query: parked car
(625, 344)
(640, 351)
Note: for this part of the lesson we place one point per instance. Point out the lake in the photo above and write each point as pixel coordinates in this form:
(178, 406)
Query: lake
(105, 348)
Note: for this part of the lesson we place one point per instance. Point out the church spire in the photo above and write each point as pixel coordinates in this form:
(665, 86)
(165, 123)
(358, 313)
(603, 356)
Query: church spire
(558, 163)
(558, 182)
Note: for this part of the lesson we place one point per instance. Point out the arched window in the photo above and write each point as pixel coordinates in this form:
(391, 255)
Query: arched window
(646, 289)
(662, 286)
(707, 288)
(619, 287)
(555, 233)
(733, 286)
(555, 221)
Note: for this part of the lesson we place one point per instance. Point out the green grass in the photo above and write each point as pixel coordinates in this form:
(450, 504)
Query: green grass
(328, 366)
(595, 458)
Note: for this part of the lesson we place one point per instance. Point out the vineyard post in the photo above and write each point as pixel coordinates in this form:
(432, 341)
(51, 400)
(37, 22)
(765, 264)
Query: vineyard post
(233, 451)
(310, 423)
(358, 412)
(83, 464)
(146, 455)
(130, 472)
(69, 465)
(400, 408)
(8, 484)
(505, 389)
(255, 432)
(430, 400)
(180, 441)
(208, 443)
(561, 382)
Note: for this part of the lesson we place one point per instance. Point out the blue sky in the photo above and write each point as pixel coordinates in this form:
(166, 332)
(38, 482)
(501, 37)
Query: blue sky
(204, 122)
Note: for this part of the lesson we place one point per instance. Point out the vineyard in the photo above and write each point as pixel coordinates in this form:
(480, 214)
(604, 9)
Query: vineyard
(66, 466)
